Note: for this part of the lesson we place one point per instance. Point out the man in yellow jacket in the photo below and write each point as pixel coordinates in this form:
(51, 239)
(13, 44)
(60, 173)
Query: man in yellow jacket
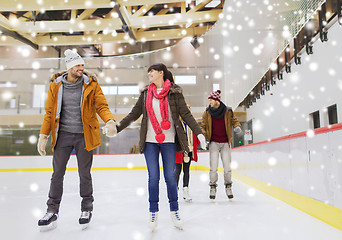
(218, 120)
(73, 100)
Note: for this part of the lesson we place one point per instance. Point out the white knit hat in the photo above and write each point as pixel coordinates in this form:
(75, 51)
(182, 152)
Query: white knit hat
(72, 59)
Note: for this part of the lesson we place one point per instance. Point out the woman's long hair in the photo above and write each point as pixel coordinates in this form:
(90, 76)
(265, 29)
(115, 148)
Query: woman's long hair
(162, 67)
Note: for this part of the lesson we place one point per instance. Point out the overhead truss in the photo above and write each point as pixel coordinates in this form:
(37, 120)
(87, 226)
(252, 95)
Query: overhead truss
(93, 22)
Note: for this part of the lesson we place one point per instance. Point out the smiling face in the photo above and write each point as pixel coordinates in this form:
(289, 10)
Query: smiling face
(77, 71)
(155, 77)
(213, 103)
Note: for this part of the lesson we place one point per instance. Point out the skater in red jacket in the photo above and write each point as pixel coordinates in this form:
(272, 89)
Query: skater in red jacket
(184, 159)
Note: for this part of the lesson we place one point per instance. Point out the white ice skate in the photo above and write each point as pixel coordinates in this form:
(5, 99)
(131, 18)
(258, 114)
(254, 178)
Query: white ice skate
(48, 222)
(84, 219)
(229, 192)
(153, 223)
(177, 221)
(212, 194)
(186, 195)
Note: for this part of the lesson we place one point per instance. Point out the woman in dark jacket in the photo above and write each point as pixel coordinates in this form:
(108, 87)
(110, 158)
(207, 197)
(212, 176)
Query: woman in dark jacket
(161, 103)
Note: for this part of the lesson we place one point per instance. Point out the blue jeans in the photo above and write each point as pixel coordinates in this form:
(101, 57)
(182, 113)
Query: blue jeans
(168, 152)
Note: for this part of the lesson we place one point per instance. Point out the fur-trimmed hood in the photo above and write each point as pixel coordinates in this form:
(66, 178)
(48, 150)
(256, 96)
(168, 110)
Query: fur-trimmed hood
(174, 88)
(88, 77)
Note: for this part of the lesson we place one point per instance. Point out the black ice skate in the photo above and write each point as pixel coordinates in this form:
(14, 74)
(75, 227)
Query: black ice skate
(212, 194)
(85, 219)
(48, 222)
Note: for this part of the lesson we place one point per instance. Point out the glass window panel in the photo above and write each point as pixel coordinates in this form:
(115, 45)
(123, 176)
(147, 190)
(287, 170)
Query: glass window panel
(128, 90)
(38, 95)
(216, 86)
(185, 80)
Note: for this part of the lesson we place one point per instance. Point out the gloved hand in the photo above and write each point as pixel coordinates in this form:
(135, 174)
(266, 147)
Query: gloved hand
(42, 140)
(186, 158)
(203, 142)
(237, 130)
(110, 129)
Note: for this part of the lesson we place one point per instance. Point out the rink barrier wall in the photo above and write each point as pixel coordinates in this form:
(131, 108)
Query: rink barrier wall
(327, 129)
(302, 169)
(324, 212)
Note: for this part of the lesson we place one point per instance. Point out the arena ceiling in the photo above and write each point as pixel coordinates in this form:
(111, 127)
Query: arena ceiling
(90, 24)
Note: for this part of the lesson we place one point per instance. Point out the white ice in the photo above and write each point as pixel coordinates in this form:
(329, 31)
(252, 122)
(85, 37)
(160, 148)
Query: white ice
(121, 210)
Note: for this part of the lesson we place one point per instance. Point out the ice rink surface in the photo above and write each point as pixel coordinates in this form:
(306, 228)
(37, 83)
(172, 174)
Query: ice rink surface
(121, 210)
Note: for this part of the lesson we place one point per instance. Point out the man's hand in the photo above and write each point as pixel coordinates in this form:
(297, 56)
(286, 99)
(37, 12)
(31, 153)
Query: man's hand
(237, 130)
(42, 140)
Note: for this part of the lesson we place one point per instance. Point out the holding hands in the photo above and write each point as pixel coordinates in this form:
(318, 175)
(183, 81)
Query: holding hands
(110, 129)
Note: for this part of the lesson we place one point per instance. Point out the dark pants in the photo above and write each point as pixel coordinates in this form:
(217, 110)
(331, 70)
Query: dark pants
(186, 172)
(66, 142)
(168, 152)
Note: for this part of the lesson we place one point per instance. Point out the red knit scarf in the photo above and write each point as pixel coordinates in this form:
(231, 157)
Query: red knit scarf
(164, 109)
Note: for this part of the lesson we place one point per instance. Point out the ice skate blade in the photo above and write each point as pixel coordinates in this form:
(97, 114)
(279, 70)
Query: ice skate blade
(153, 229)
(84, 226)
(179, 227)
(152, 226)
(48, 227)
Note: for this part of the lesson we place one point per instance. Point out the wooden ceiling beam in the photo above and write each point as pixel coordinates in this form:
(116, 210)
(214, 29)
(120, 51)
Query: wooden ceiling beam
(166, 10)
(73, 14)
(86, 14)
(31, 5)
(134, 22)
(95, 26)
(183, 8)
(126, 21)
(144, 9)
(145, 2)
(174, 19)
(65, 26)
(171, 33)
(101, 38)
(4, 22)
(199, 6)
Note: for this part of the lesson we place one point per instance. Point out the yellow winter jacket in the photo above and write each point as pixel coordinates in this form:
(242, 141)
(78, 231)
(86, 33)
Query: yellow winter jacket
(93, 101)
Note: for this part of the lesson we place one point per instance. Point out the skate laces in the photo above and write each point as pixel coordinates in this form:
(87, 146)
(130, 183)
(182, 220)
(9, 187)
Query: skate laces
(85, 214)
(47, 216)
(153, 216)
(176, 214)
